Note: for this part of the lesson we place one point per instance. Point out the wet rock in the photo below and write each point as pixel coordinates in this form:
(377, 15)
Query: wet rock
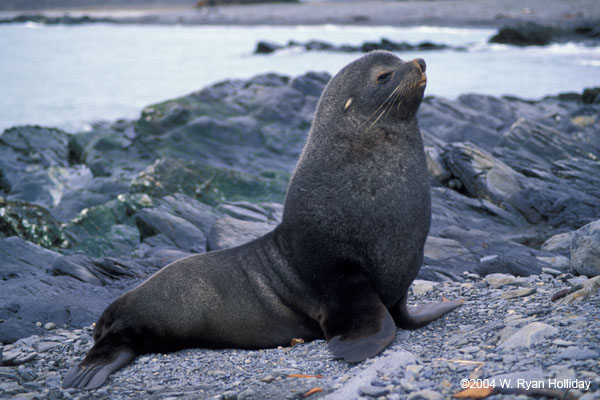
(530, 335)
(585, 250)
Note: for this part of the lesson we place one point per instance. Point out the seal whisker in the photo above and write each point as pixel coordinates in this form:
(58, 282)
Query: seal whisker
(383, 103)
(388, 103)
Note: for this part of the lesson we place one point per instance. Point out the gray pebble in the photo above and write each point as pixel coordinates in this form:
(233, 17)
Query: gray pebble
(373, 391)
(50, 326)
(425, 394)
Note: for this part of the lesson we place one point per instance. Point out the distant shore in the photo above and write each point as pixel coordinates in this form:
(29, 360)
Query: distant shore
(481, 13)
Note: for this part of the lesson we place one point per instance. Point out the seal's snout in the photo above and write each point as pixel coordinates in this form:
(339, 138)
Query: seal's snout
(420, 63)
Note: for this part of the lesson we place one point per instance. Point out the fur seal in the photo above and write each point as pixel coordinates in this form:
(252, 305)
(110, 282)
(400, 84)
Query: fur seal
(356, 216)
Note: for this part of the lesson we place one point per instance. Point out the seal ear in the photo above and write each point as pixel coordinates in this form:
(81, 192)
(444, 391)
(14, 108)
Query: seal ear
(348, 103)
(356, 324)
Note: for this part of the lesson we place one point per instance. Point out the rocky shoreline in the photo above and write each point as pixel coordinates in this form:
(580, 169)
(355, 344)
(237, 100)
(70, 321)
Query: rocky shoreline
(515, 191)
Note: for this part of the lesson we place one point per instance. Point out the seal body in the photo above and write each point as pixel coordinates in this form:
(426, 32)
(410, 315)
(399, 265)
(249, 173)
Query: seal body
(355, 221)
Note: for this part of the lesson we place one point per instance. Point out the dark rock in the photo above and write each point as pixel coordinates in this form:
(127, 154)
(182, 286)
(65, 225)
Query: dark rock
(525, 34)
(520, 265)
(62, 20)
(528, 33)
(591, 95)
(264, 47)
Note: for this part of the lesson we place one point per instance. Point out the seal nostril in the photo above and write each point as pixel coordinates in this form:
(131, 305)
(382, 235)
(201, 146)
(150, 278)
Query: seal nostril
(421, 63)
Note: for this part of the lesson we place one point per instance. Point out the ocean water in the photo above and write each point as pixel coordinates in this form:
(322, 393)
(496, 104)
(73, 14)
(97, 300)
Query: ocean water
(70, 76)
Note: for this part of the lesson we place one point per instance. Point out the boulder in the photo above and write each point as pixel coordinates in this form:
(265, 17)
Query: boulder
(585, 250)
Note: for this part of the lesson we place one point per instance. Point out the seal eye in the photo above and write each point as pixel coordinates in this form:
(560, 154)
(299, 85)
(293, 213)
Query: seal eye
(383, 78)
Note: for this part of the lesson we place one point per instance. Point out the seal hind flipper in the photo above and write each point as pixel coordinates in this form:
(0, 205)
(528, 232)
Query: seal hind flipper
(93, 372)
(419, 316)
(356, 324)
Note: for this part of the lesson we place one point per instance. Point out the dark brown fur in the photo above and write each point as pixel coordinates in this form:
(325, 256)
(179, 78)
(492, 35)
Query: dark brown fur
(339, 265)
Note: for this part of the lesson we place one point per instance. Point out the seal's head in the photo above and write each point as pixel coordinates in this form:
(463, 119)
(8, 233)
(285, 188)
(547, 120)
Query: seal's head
(376, 88)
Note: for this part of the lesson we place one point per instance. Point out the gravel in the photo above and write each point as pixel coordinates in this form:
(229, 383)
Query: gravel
(429, 363)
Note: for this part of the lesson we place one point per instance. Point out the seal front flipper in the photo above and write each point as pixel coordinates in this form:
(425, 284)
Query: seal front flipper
(355, 322)
(93, 371)
(419, 316)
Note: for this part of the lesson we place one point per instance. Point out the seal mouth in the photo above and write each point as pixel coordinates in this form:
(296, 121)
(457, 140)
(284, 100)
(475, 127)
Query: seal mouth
(423, 81)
